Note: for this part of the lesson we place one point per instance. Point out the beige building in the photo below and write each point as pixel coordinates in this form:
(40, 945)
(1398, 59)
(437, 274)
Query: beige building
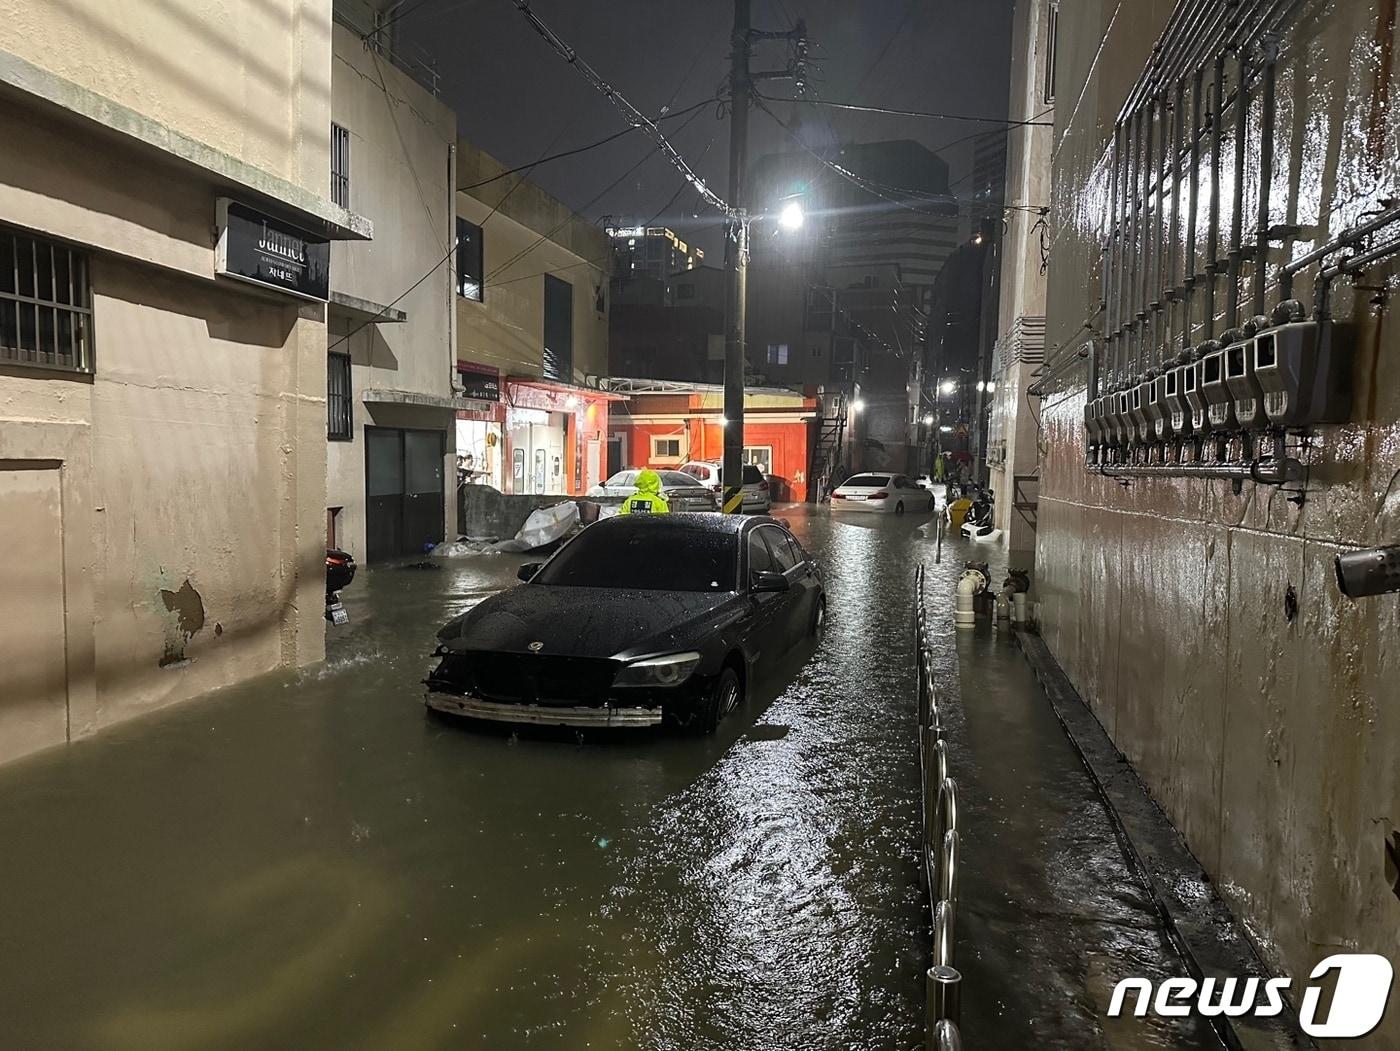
(532, 334)
(164, 212)
(390, 467)
(1200, 617)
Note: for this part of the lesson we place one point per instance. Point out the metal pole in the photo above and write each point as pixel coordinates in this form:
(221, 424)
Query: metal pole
(944, 995)
(1213, 234)
(1189, 277)
(736, 263)
(1236, 254)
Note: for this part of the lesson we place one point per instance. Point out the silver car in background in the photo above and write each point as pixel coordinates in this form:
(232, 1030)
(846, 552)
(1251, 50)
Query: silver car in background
(683, 493)
(758, 497)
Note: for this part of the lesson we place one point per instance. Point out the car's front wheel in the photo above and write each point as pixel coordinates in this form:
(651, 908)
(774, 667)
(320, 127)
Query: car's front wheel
(725, 695)
(899, 508)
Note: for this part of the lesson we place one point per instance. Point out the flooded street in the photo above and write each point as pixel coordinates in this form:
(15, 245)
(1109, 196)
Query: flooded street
(311, 861)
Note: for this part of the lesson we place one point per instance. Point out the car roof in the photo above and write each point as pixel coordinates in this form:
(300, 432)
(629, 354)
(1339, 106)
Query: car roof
(687, 522)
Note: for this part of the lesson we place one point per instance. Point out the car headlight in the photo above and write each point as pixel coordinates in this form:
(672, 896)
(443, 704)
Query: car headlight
(671, 670)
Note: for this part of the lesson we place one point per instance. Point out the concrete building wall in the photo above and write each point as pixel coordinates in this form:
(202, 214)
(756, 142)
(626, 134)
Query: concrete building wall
(402, 171)
(528, 236)
(252, 81)
(185, 472)
(1269, 737)
(1012, 445)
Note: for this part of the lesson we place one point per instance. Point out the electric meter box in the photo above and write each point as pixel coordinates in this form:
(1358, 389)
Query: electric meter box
(1157, 410)
(1195, 396)
(1244, 387)
(1305, 372)
(1093, 426)
(1178, 408)
(1220, 403)
(1140, 427)
(1115, 418)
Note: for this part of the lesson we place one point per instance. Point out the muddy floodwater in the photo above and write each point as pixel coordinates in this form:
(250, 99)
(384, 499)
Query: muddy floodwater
(309, 861)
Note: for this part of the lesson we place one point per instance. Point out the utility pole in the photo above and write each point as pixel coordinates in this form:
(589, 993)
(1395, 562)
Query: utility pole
(736, 262)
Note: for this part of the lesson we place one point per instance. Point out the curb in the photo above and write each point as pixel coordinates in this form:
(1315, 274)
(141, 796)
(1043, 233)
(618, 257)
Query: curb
(1197, 920)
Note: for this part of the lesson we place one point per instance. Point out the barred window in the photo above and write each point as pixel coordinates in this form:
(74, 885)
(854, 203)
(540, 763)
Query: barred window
(45, 304)
(339, 419)
(340, 166)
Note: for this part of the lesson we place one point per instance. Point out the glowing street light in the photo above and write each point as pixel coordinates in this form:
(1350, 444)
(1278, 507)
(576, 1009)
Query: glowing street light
(858, 405)
(928, 419)
(791, 217)
(945, 429)
(947, 387)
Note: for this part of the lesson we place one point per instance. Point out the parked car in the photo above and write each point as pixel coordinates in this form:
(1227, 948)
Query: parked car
(881, 492)
(637, 620)
(758, 497)
(682, 491)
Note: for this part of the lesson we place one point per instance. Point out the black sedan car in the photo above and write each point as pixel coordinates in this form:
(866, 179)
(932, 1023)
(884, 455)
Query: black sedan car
(638, 620)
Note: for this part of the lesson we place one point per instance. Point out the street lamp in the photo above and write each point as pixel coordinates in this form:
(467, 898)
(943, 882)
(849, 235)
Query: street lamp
(945, 429)
(857, 405)
(929, 419)
(791, 217)
(947, 387)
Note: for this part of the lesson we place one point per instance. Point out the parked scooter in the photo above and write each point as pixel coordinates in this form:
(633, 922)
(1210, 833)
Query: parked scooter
(340, 570)
(977, 524)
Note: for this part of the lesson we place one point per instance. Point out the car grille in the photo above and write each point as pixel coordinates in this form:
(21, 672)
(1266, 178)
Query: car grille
(524, 678)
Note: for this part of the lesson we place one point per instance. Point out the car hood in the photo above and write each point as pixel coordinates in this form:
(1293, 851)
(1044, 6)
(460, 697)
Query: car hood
(588, 622)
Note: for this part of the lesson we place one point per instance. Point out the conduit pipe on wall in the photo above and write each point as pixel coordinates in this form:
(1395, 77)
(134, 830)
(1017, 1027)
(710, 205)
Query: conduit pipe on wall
(1266, 169)
(1189, 274)
(1322, 288)
(1213, 232)
(1236, 255)
(1345, 239)
(1174, 238)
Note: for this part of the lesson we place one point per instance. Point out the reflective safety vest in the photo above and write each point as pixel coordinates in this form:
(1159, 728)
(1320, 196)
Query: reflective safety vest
(646, 504)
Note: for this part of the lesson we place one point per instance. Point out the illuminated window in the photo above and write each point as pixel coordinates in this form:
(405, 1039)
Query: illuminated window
(777, 353)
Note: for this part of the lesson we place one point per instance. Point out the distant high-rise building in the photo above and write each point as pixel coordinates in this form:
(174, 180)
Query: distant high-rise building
(650, 251)
(988, 190)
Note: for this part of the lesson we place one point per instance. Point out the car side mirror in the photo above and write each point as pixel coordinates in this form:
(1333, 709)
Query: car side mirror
(766, 581)
(528, 570)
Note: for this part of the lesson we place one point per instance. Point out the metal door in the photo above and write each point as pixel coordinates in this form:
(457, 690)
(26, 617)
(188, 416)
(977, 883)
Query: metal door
(404, 506)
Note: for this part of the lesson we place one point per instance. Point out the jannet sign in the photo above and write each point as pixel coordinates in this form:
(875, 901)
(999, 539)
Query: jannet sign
(263, 250)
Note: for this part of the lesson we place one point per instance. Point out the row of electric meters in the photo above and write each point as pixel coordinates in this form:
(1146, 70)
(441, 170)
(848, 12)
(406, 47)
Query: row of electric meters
(1284, 377)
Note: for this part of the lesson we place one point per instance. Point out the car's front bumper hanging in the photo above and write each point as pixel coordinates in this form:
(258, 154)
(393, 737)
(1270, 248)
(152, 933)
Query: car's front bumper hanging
(540, 714)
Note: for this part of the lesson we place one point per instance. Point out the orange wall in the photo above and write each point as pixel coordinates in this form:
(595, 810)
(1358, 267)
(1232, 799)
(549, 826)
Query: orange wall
(791, 444)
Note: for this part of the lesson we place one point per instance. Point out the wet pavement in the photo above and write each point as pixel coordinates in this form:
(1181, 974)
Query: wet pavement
(309, 860)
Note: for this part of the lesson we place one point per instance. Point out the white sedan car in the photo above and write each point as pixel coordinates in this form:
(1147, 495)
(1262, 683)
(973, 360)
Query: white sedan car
(881, 492)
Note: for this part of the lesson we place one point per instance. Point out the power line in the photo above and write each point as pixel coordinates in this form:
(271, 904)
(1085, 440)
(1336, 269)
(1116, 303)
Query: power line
(635, 117)
(585, 148)
(875, 188)
(930, 115)
(601, 193)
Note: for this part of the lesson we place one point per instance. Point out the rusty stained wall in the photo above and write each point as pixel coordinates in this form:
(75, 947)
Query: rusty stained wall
(1272, 743)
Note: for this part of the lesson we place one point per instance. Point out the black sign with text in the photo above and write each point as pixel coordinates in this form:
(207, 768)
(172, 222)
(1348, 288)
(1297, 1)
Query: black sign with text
(264, 250)
(480, 385)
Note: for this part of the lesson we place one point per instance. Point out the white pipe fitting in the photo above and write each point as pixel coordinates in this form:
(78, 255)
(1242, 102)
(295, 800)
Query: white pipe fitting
(964, 616)
(1018, 608)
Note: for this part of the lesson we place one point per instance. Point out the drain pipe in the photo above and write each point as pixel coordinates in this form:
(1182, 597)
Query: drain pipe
(1134, 255)
(1232, 273)
(1189, 274)
(1213, 235)
(970, 585)
(1266, 170)
(1159, 228)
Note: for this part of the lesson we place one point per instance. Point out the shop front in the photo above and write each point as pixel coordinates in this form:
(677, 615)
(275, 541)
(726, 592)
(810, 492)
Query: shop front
(554, 435)
(481, 448)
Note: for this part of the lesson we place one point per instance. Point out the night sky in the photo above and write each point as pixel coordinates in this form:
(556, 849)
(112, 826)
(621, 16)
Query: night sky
(518, 99)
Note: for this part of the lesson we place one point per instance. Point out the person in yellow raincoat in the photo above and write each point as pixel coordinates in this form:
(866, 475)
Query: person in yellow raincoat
(648, 499)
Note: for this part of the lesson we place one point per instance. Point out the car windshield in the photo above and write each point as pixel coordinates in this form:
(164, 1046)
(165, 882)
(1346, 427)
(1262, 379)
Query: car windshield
(621, 478)
(655, 557)
(866, 481)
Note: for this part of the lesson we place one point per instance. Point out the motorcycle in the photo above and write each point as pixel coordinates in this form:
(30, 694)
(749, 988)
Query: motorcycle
(340, 570)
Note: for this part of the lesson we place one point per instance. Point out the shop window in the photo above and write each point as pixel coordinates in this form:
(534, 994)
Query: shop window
(469, 261)
(340, 424)
(665, 449)
(45, 304)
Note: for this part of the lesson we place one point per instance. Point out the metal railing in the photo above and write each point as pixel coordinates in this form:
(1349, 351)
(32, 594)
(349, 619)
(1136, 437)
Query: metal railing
(938, 861)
